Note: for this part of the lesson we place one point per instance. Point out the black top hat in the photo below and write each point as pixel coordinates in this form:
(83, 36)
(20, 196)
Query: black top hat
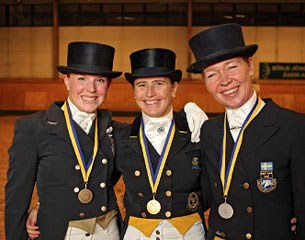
(89, 58)
(153, 62)
(218, 44)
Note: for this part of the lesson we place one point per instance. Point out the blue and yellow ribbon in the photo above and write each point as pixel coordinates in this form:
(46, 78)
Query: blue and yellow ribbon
(226, 176)
(86, 168)
(154, 177)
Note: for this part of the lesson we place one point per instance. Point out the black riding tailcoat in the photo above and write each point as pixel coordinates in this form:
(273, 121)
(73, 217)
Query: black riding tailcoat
(42, 153)
(184, 173)
(275, 135)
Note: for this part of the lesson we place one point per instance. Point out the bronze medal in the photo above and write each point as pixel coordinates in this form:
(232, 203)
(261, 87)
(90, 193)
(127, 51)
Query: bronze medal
(153, 207)
(85, 196)
(225, 210)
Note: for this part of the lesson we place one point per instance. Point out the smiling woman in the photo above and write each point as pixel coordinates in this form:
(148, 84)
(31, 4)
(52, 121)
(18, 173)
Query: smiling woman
(87, 92)
(6, 135)
(62, 151)
(154, 95)
(254, 151)
(230, 81)
(155, 151)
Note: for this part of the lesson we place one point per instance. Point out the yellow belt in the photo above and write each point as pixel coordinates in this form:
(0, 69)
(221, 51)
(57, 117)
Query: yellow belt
(88, 225)
(147, 225)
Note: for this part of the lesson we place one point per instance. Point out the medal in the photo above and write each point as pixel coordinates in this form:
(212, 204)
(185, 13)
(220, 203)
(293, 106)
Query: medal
(225, 210)
(85, 196)
(153, 206)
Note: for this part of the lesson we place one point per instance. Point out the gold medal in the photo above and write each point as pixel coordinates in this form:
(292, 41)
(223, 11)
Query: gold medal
(225, 210)
(85, 195)
(153, 207)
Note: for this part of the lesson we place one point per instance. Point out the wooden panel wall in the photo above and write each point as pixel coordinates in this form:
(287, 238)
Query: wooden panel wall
(39, 94)
(28, 52)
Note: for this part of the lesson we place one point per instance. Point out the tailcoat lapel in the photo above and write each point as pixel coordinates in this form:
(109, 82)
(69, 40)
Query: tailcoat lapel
(261, 128)
(105, 131)
(133, 140)
(103, 124)
(55, 121)
(181, 138)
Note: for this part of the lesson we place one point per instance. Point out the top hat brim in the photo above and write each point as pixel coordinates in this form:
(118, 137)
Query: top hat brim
(175, 75)
(247, 51)
(93, 71)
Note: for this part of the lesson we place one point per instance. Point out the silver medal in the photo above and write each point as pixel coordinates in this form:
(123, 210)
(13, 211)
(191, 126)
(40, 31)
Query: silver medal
(225, 210)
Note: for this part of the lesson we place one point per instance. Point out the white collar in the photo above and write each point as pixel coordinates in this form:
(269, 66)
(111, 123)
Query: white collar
(76, 113)
(156, 129)
(167, 118)
(237, 116)
(83, 119)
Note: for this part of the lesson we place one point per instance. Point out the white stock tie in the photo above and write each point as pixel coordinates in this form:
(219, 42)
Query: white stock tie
(156, 132)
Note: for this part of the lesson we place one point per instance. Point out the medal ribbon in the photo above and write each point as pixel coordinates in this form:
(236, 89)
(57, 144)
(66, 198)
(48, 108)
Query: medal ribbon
(226, 177)
(86, 168)
(154, 177)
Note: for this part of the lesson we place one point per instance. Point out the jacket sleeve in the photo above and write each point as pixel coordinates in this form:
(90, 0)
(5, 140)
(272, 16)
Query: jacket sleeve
(21, 177)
